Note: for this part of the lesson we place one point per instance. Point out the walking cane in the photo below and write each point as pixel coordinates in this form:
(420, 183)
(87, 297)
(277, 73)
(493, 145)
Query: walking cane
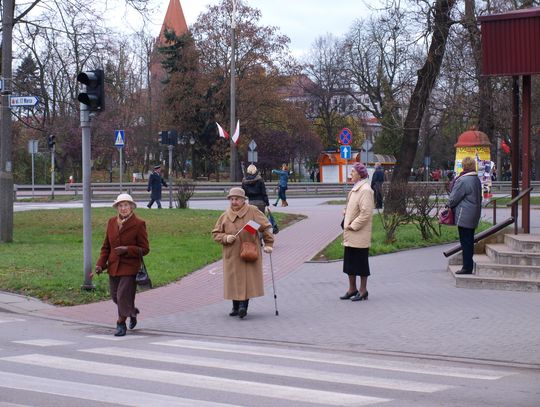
(273, 284)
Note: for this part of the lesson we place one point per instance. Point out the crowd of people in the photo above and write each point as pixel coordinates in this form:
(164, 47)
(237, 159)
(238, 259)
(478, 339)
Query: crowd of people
(245, 232)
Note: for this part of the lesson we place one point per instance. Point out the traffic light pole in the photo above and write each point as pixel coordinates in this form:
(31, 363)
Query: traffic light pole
(53, 149)
(120, 150)
(6, 142)
(170, 175)
(87, 201)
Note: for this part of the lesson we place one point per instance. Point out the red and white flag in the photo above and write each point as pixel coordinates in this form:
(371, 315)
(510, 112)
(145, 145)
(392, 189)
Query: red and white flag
(252, 227)
(236, 134)
(222, 133)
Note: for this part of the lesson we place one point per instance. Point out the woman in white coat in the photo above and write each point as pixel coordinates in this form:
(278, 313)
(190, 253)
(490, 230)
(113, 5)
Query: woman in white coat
(357, 233)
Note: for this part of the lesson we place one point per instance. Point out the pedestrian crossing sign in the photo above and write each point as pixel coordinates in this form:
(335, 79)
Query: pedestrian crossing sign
(119, 139)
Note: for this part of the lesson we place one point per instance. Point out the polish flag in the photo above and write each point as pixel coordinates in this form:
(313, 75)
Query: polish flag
(505, 147)
(222, 133)
(236, 134)
(252, 227)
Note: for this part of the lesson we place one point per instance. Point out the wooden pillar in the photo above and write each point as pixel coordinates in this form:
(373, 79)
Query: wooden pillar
(526, 148)
(515, 138)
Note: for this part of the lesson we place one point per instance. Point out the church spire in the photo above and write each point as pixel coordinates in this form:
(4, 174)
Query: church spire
(174, 20)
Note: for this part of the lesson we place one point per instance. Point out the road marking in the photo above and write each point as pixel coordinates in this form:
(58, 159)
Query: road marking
(10, 319)
(44, 342)
(286, 371)
(290, 393)
(113, 338)
(103, 394)
(339, 359)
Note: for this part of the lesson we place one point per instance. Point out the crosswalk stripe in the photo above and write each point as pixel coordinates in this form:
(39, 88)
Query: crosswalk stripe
(103, 394)
(337, 359)
(116, 338)
(10, 319)
(309, 374)
(43, 342)
(198, 381)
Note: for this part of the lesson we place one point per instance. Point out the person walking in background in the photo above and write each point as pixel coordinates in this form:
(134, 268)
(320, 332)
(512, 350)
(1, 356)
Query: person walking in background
(126, 241)
(466, 202)
(242, 280)
(255, 189)
(377, 185)
(357, 222)
(155, 181)
(283, 175)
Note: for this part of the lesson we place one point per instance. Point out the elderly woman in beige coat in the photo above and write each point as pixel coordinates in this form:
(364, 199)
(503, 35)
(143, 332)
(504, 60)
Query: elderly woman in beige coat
(357, 233)
(241, 280)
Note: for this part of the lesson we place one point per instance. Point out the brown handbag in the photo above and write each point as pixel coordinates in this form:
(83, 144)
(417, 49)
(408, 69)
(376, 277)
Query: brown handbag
(249, 252)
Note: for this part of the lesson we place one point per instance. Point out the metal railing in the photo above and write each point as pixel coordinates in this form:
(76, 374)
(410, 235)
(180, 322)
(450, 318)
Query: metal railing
(514, 205)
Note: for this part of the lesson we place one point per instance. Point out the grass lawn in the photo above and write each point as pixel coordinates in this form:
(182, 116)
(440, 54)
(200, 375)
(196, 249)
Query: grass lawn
(407, 237)
(45, 259)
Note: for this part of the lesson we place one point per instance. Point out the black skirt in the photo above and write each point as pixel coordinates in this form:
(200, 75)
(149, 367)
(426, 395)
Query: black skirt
(356, 261)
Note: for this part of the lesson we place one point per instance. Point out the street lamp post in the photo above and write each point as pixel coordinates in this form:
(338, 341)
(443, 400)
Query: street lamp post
(234, 158)
(192, 142)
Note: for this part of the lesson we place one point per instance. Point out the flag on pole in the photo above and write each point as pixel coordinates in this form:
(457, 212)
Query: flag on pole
(222, 133)
(252, 227)
(236, 134)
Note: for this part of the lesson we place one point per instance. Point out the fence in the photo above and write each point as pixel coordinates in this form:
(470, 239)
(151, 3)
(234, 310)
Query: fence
(205, 190)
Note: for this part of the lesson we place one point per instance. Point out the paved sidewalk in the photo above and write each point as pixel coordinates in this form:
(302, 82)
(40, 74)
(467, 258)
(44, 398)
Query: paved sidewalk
(413, 304)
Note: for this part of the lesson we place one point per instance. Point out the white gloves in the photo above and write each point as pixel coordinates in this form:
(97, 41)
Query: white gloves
(230, 239)
(268, 249)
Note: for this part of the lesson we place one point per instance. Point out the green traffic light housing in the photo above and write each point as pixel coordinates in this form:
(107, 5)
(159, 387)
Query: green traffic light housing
(94, 97)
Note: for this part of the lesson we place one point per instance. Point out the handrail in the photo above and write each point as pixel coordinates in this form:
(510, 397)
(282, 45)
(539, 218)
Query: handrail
(494, 201)
(482, 235)
(514, 202)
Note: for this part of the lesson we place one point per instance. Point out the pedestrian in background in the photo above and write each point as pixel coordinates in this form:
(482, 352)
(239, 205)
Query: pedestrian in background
(255, 189)
(242, 280)
(466, 202)
(155, 181)
(283, 175)
(357, 222)
(126, 241)
(377, 185)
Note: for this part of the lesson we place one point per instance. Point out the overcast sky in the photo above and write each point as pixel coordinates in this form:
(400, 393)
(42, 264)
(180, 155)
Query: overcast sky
(301, 20)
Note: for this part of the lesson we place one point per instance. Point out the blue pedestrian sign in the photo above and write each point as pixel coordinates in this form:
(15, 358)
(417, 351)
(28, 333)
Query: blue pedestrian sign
(345, 152)
(119, 138)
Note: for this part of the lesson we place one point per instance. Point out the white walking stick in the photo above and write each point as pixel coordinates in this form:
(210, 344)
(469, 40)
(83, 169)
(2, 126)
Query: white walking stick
(273, 284)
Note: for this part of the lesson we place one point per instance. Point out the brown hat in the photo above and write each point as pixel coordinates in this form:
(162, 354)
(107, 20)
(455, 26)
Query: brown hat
(236, 191)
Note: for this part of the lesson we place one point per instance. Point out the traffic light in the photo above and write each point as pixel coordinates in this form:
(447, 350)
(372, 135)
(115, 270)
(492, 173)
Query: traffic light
(164, 137)
(94, 97)
(173, 137)
(51, 141)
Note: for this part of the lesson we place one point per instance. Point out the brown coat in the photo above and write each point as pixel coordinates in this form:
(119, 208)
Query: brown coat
(358, 216)
(242, 280)
(133, 235)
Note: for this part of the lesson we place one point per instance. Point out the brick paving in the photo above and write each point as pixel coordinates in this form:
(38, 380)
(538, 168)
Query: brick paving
(413, 306)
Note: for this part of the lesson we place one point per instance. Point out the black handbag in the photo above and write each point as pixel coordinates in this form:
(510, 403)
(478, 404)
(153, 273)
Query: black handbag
(142, 278)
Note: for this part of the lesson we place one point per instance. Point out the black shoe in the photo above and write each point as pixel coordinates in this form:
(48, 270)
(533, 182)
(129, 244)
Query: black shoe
(360, 297)
(348, 296)
(242, 310)
(121, 329)
(274, 204)
(133, 320)
(148, 206)
(233, 313)
(464, 271)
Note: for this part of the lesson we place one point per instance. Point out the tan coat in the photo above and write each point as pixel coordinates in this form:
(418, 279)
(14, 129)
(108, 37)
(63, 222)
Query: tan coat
(242, 280)
(358, 216)
(133, 235)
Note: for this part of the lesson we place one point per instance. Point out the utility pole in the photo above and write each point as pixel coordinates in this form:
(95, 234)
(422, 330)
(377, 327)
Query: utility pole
(234, 154)
(6, 143)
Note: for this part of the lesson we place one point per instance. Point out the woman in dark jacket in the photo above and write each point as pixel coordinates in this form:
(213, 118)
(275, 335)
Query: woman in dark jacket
(255, 189)
(466, 202)
(126, 241)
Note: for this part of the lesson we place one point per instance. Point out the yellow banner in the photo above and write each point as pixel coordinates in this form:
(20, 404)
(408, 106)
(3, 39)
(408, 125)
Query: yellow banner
(479, 154)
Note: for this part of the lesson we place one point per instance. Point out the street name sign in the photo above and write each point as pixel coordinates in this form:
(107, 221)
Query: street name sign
(23, 101)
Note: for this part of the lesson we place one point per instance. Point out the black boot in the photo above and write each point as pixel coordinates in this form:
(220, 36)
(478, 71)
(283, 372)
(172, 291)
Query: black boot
(242, 310)
(121, 329)
(235, 306)
(133, 320)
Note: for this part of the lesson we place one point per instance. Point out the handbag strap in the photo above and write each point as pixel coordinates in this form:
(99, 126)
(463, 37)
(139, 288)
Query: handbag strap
(142, 257)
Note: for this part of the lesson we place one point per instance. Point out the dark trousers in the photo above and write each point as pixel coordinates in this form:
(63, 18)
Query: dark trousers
(281, 193)
(123, 291)
(152, 203)
(466, 238)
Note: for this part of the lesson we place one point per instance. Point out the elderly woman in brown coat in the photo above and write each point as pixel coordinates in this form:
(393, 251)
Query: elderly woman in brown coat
(126, 241)
(241, 280)
(357, 233)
